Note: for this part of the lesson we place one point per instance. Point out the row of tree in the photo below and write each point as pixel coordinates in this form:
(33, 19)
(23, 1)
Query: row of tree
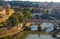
(15, 19)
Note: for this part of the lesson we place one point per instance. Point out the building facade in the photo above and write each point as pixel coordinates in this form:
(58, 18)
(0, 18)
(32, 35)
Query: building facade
(5, 12)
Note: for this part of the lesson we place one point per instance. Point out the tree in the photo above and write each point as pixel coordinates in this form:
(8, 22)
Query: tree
(47, 11)
(13, 20)
(21, 18)
(1, 24)
(4, 23)
(27, 15)
(45, 16)
(36, 16)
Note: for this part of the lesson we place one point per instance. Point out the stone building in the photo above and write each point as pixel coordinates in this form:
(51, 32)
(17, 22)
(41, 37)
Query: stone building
(6, 10)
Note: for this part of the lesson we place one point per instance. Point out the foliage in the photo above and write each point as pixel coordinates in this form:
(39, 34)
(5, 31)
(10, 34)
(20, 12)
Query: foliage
(4, 23)
(0, 23)
(47, 11)
(13, 20)
(36, 16)
(44, 16)
(21, 18)
(27, 14)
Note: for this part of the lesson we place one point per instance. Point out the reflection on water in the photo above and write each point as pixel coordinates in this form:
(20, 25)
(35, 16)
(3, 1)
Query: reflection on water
(31, 35)
(39, 36)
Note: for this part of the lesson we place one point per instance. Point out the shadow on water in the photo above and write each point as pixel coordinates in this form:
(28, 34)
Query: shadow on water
(39, 35)
(20, 35)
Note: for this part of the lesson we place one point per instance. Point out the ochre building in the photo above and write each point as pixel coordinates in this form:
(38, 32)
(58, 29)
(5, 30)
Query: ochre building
(5, 12)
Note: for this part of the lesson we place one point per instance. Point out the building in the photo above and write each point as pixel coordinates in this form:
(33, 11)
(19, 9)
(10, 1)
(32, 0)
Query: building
(5, 11)
(56, 10)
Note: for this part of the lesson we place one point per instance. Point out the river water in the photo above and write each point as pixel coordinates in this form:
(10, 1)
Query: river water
(31, 35)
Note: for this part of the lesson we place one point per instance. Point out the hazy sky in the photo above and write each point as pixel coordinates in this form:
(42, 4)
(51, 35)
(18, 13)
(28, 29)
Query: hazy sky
(41, 0)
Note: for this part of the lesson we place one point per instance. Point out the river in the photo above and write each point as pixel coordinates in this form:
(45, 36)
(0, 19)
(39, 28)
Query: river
(30, 35)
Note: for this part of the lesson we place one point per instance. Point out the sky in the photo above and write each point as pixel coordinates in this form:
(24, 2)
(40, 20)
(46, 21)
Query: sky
(40, 0)
(44, 0)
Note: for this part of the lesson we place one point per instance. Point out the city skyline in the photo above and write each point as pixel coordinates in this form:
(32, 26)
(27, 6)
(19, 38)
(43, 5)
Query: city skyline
(35, 0)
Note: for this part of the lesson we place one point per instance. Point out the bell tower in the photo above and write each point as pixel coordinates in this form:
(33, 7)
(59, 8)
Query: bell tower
(7, 7)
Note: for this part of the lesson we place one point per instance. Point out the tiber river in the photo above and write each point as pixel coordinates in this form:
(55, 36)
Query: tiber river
(31, 35)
